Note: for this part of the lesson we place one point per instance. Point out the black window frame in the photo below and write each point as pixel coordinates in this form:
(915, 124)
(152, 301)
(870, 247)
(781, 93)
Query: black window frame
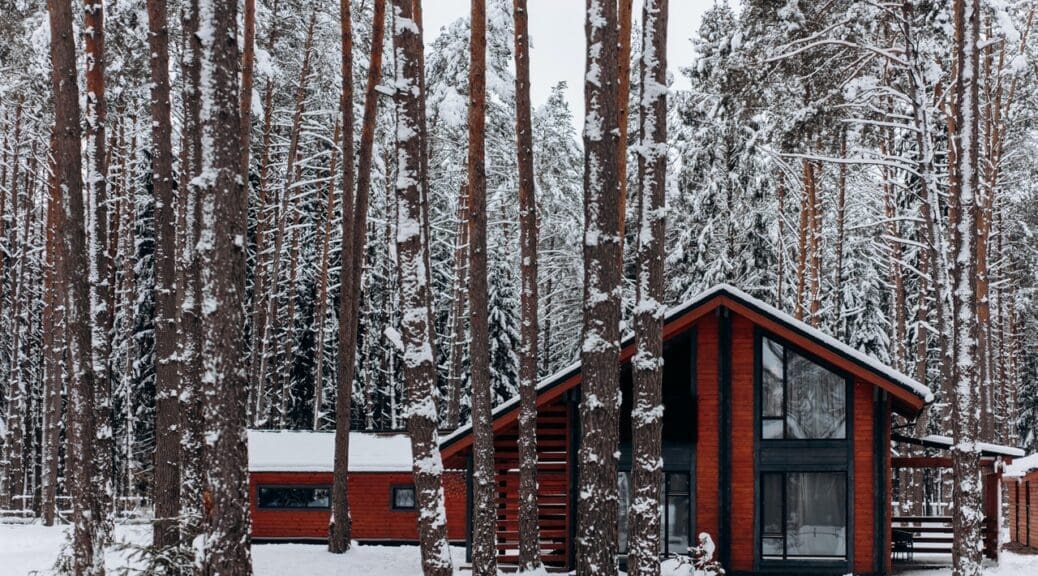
(623, 546)
(786, 349)
(260, 506)
(786, 556)
(392, 497)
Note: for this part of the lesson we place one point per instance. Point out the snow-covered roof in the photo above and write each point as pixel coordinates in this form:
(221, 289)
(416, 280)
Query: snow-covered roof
(307, 451)
(865, 361)
(1021, 466)
(944, 442)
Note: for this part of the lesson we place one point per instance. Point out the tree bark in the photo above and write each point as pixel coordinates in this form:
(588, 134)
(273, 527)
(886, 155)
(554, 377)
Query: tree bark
(459, 297)
(225, 551)
(322, 291)
(68, 163)
(484, 477)
(599, 407)
(417, 332)
(647, 364)
(54, 350)
(623, 100)
(166, 494)
(529, 533)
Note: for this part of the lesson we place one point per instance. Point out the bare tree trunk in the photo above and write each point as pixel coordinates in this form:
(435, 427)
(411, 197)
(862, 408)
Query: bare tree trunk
(17, 391)
(100, 259)
(623, 99)
(73, 269)
(647, 364)
(248, 65)
(599, 407)
(841, 221)
(225, 551)
(803, 246)
(189, 345)
(484, 477)
(529, 533)
(964, 184)
(166, 495)
(417, 332)
(53, 349)
(814, 243)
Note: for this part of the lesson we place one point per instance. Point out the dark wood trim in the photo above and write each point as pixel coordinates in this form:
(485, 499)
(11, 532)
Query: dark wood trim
(724, 389)
(469, 466)
(694, 385)
(293, 508)
(392, 498)
(572, 400)
(880, 454)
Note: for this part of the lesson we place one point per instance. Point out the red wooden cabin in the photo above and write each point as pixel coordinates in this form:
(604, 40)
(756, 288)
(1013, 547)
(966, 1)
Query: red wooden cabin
(776, 442)
(290, 479)
(1021, 479)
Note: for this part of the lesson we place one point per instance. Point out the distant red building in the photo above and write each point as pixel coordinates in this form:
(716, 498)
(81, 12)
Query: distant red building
(1021, 479)
(290, 480)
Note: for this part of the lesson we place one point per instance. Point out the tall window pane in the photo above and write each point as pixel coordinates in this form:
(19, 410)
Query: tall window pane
(771, 374)
(816, 514)
(772, 538)
(817, 403)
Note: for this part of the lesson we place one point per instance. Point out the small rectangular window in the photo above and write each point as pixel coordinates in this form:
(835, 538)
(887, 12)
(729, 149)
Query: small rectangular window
(403, 498)
(294, 497)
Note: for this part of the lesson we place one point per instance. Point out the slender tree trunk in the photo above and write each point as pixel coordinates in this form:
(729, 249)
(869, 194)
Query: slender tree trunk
(623, 100)
(68, 163)
(100, 259)
(417, 332)
(599, 407)
(529, 533)
(54, 348)
(647, 364)
(166, 495)
(484, 477)
(803, 247)
(841, 221)
(223, 199)
(964, 184)
(248, 65)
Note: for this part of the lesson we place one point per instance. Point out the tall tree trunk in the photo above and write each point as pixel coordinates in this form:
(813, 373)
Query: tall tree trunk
(599, 408)
(647, 364)
(484, 477)
(100, 258)
(74, 270)
(248, 65)
(623, 102)
(54, 352)
(459, 297)
(529, 533)
(166, 495)
(964, 184)
(841, 221)
(417, 332)
(221, 253)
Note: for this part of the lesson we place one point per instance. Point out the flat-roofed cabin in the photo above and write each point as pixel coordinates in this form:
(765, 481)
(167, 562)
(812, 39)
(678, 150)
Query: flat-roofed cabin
(776, 442)
(290, 481)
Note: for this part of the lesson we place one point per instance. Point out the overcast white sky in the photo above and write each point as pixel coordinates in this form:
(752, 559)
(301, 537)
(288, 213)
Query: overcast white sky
(557, 41)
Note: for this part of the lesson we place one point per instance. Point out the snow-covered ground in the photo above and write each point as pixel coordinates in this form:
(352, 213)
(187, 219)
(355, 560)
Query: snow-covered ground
(30, 550)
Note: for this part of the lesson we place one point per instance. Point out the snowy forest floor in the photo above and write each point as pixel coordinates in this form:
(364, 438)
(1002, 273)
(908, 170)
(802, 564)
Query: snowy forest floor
(30, 550)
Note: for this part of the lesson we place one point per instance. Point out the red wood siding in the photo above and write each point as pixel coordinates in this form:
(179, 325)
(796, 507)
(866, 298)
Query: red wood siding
(553, 486)
(743, 414)
(864, 479)
(708, 438)
(373, 517)
(1019, 515)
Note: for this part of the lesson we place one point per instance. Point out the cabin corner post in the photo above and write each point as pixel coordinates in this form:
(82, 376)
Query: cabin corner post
(883, 498)
(469, 466)
(724, 358)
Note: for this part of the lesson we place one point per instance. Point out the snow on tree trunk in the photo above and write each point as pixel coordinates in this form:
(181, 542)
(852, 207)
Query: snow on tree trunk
(167, 387)
(484, 477)
(223, 547)
(600, 403)
(416, 332)
(967, 511)
(529, 534)
(68, 163)
(647, 364)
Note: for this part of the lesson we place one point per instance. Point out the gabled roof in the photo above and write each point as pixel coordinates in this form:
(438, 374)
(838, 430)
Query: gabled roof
(909, 396)
(308, 451)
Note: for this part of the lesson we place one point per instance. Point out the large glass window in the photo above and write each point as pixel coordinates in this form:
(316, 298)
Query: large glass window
(799, 398)
(804, 515)
(675, 512)
(310, 497)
